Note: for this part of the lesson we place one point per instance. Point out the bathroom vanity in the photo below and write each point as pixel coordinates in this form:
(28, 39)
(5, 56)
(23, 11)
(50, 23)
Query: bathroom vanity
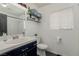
(26, 47)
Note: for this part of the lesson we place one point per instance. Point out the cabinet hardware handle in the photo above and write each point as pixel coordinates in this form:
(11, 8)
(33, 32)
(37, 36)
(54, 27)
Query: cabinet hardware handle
(24, 49)
(35, 44)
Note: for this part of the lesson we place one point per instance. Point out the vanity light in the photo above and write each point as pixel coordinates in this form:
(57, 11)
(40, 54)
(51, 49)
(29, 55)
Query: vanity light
(4, 4)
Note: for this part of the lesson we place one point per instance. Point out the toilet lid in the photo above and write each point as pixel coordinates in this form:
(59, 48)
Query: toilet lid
(42, 46)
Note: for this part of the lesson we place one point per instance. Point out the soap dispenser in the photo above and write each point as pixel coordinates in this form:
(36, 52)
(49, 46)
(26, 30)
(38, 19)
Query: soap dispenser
(4, 37)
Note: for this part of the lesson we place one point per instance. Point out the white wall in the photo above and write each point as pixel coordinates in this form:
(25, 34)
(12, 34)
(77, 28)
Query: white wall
(70, 38)
(31, 27)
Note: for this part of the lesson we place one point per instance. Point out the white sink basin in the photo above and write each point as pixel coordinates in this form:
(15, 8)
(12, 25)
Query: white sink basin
(19, 41)
(3, 45)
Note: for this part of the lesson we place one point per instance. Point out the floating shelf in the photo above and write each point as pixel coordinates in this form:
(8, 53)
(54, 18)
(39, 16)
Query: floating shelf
(33, 19)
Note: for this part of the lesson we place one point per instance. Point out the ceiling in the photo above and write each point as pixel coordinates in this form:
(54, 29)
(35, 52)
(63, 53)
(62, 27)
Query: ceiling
(12, 9)
(17, 10)
(39, 5)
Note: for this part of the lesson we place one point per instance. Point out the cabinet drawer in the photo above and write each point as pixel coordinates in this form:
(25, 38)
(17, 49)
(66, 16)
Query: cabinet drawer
(14, 52)
(27, 46)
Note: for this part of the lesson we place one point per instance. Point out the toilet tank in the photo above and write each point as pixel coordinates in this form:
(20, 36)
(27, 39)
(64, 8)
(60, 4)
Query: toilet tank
(37, 38)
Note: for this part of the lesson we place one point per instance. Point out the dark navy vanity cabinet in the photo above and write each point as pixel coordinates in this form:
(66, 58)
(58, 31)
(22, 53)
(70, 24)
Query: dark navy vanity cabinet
(29, 49)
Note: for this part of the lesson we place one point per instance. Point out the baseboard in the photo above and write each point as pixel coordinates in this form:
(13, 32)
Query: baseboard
(54, 53)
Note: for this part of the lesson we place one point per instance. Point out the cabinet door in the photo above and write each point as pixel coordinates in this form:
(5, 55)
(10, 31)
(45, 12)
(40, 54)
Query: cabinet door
(32, 49)
(32, 52)
(15, 52)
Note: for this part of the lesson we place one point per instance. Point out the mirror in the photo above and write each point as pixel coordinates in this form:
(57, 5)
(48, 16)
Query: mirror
(11, 21)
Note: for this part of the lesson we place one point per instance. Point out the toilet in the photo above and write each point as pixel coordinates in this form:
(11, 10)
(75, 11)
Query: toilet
(41, 48)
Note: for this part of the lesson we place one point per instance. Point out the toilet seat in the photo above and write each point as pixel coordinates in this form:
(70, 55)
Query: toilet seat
(42, 46)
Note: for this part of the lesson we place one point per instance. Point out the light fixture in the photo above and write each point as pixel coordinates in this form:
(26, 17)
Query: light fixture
(4, 4)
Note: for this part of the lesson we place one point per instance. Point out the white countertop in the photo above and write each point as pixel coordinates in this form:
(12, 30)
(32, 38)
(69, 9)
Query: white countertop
(12, 44)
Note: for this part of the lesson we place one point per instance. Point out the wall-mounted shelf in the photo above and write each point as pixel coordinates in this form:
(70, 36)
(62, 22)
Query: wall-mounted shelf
(34, 15)
(33, 19)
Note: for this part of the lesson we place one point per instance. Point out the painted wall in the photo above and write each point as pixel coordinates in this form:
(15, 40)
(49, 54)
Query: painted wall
(70, 38)
(31, 27)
